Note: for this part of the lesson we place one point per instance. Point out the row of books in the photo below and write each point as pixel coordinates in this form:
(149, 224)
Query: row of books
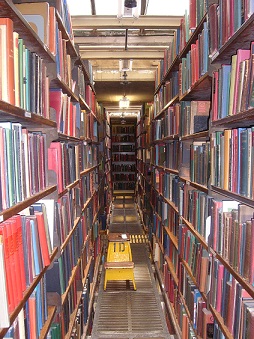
(229, 299)
(232, 234)
(33, 235)
(170, 54)
(23, 172)
(166, 93)
(63, 160)
(32, 316)
(200, 162)
(122, 130)
(195, 64)
(123, 157)
(89, 155)
(168, 125)
(158, 154)
(123, 168)
(233, 85)
(66, 113)
(123, 138)
(232, 156)
(123, 148)
(225, 18)
(89, 127)
(24, 80)
(195, 206)
(195, 257)
(123, 177)
(194, 117)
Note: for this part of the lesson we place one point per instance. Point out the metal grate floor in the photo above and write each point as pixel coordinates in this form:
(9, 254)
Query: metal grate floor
(121, 312)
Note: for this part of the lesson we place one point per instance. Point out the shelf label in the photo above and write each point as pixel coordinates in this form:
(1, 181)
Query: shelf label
(28, 114)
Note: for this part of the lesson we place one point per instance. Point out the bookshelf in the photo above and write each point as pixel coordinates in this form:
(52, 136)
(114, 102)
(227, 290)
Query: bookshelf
(123, 157)
(201, 185)
(52, 194)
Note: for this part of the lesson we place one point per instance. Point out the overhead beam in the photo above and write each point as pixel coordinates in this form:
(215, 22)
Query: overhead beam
(111, 41)
(90, 55)
(112, 22)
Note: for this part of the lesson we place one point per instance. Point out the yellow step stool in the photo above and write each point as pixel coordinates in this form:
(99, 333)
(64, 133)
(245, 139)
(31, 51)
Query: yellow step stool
(119, 264)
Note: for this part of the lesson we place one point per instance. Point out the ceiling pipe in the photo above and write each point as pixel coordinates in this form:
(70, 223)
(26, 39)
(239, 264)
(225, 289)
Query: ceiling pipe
(126, 39)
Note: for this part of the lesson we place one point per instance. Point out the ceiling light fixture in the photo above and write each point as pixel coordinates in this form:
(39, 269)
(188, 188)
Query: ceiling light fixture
(130, 3)
(125, 65)
(124, 102)
(128, 8)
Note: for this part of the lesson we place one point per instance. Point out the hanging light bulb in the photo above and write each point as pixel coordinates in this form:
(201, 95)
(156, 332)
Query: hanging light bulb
(124, 102)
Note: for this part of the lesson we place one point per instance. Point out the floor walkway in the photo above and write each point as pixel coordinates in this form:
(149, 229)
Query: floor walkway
(122, 312)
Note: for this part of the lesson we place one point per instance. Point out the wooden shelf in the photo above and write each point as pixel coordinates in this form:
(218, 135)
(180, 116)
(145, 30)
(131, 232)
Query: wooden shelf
(200, 238)
(172, 237)
(172, 269)
(6, 214)
(201, 90)
(27, 293)
(173, 67)
(199, 135)
(246, 285)
(88, 170)
(170, 103)
(9, 112)
(69, 187)
(193, 37)
(58, 83)
(243, 119)
(232, 196)
(195, 185)
(21, 26)
(46, 327)
(65, 35)
(240, 40)
(220, 321)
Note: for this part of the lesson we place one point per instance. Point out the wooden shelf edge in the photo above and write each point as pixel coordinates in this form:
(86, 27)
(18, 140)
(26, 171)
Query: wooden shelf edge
(6, 214)
(173, 238)
(195, 233)
(172, 269)
(220, 321)
(46, 327)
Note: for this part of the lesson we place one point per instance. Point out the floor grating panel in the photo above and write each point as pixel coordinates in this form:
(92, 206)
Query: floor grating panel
(120, 311)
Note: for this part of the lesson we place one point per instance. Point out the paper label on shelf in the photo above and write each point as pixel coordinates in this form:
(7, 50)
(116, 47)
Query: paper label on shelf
(28, 114)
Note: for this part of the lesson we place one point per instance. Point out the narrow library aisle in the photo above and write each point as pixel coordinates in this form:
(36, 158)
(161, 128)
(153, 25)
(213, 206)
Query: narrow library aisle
(122, 312)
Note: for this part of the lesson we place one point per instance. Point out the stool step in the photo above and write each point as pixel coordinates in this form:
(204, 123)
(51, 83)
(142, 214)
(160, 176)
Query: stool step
(120, 264)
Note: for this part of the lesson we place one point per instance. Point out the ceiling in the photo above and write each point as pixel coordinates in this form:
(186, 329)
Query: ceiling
(107, 31)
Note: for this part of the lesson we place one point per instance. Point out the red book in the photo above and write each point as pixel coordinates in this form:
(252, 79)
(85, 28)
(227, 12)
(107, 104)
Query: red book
(32, 316)
(251, 276)
(219, 287)
(43, 238)
(18, 281)
(8, 266)
(208, 324)
(56, 102)
(55, 163)
(52, 30)
(18, 221)
(193, 15)
(8, 82)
